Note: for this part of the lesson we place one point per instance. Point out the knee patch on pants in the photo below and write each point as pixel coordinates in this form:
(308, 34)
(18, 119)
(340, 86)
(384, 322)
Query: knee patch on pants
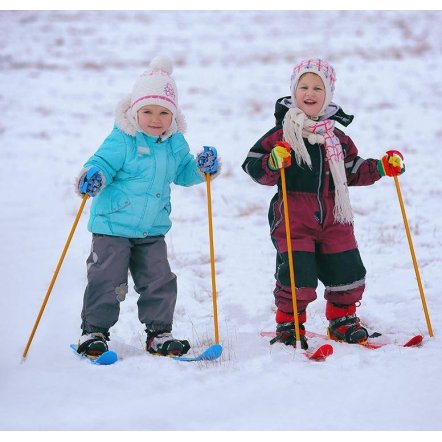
(305, 270)
(343, 275)
(341, 271)
(121, 291)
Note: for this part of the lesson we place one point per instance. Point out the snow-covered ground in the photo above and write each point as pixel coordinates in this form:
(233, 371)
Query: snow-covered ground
(62, 74)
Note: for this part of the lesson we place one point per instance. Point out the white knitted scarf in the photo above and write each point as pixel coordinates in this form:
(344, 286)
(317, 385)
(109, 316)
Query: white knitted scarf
(297, 126)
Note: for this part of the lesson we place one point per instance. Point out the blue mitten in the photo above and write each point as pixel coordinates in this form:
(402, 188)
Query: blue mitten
(207, 160)
(91, 182)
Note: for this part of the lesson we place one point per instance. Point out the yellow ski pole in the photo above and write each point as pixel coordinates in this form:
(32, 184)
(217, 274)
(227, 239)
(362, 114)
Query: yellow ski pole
(51, 285)
(413, 256)
(289, 252)
(212, 258)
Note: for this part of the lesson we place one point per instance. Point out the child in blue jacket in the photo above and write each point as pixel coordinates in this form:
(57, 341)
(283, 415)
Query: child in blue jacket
(130, 177)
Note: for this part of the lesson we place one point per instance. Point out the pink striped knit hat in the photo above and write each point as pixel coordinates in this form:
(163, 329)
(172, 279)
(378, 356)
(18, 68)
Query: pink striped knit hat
(155, 86)
(318, 67)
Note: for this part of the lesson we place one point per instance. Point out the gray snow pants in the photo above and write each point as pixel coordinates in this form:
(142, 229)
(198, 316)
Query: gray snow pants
(107, 272)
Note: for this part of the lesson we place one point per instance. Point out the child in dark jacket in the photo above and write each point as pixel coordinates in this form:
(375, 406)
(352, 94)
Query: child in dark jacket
(130, 178)
(320, 163)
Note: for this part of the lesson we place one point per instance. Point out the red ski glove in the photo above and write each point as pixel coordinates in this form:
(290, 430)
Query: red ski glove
(280, 156)
(391, 164)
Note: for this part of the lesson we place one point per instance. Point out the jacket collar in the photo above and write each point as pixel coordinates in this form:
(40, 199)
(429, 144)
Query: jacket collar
(333, 112)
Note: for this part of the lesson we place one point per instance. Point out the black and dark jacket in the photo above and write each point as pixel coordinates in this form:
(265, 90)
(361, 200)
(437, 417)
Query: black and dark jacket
(300, 178)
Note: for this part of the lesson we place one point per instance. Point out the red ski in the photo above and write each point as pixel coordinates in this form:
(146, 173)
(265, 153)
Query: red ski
(320, 354)
(372, 343)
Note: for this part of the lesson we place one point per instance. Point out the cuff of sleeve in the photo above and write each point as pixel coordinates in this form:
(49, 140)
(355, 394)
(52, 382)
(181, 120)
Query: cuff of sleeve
(77, 182)
(266, 166)
(380, 168)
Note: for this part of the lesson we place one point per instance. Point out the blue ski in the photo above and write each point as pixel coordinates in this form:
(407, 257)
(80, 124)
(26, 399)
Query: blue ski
(210, 354)
(107, 358)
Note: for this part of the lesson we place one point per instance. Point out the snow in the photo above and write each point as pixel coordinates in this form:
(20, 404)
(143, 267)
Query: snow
(62, 73)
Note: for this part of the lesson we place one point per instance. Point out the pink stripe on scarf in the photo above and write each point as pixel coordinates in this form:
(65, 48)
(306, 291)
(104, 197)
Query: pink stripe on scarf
(333, 146)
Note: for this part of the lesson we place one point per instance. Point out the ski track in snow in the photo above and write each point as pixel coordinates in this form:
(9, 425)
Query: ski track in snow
(62, 74)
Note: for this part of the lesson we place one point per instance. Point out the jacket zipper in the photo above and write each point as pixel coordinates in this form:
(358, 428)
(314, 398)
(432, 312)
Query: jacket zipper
(318, 194)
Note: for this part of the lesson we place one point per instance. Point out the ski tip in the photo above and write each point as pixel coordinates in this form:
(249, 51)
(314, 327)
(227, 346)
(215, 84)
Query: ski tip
(210, 354)
(321, 353)
(107, 358)
(213, 352)
(414, 341)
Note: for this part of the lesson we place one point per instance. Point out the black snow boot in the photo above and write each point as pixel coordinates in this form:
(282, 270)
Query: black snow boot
(93, 344)
(344, 325)
(285, 333)
(162, 343)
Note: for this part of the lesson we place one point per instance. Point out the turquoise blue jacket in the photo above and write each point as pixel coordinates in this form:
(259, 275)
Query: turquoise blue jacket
(138, 171)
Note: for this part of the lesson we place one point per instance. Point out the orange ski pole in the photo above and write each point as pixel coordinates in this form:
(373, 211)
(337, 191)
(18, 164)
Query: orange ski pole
(212, 258)
(51, 285)
(289, 252)
(413, 256)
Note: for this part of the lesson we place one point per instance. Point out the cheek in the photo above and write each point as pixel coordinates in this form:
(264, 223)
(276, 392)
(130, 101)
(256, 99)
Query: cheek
(168, 120)
(141, 118)
(143, 121)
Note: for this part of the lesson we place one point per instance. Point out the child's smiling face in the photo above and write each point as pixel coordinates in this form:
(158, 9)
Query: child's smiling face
(310, 94)
(154, 119)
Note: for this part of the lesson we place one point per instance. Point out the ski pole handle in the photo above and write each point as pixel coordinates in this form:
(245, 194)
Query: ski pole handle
(51, 285)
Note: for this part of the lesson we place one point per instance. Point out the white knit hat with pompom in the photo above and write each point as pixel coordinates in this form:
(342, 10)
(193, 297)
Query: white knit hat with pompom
(155, 86)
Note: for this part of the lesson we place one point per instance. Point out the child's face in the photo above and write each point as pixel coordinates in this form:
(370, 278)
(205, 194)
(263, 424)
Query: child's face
(154, 119)
(310, 94)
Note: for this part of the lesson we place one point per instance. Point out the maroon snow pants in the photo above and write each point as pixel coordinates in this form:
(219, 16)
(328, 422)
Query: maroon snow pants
(324, 251)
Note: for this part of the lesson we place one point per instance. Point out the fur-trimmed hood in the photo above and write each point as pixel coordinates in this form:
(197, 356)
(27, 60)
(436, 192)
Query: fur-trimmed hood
(127, 123)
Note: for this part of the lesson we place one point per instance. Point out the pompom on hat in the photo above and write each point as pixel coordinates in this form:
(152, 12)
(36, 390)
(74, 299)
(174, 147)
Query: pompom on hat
(321, 68)
(155, 86)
